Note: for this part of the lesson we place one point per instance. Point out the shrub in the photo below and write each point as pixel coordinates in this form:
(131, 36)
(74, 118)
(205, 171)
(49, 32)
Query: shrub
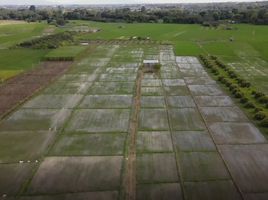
(244, 83)
(223, 80)
(264, 122)
(258, 95)
(257, 110)
(48, 42)
(263, 99)
(249, 105)
(214, 71)
(238, 95)
(232, 87)
(259, 116)
(244, 100)
(220, 78)
(253, 92)
(228, 83)
(213, 57)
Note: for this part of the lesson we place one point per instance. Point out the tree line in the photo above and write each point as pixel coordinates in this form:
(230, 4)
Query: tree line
(251, 13)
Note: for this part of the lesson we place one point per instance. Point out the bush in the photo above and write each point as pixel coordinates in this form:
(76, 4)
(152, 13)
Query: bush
(220, 78)
(249, 105)
(259, 116)
(233, 87)
(223, 80)
(228, 83)
(213, 57)
(263, 99)
(243, 100)
(257, 110)
(48, 42)
(238, 95)
(214, 71)
(243, 83)
(264, 122)
(258, 95)
(253, 92)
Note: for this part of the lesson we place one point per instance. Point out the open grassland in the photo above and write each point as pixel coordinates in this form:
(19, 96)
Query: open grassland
(15, 61)
(65, 53)
(11, 34)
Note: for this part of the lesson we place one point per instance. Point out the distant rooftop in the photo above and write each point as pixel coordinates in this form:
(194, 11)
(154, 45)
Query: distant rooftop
(150, 61)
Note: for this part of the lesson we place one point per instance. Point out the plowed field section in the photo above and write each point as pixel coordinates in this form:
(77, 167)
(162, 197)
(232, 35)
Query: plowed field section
(18, 89)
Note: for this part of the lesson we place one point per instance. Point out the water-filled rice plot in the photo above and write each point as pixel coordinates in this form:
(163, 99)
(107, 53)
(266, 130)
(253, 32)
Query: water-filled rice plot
(154, 141)
(65, 88)
(202, 166)
(117, 77)
(223, 114)
(35, 120)
(23, 145)
(14, 176)
(184, 119)
(106, 101)
(214, 101)
(235, 133)
(247, 166)
(152, 91)
(219, 189)
(112, 88)
(205, 90)
(171, 191)
(152, 102)
(94, 144)
(156, 168)
(204, 80)
(193, 141)
(180, 101)
(153, 119)
(76, 174)
(99, 120)
(53, 101)
(100, 195)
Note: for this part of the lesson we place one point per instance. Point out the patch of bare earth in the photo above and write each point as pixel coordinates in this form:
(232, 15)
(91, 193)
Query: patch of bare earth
(18, 89)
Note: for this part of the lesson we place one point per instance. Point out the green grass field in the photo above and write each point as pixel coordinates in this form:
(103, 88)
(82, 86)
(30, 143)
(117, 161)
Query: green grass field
(11, 34)
(14, 61)
(65, 52)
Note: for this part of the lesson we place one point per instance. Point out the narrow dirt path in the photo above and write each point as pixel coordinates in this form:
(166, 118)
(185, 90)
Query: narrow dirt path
(131, 158)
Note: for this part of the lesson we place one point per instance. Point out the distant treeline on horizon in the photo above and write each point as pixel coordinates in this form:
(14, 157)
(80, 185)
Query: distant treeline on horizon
(254, 13)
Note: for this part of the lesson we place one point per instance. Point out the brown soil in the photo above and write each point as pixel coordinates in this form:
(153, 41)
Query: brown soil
(18, 89)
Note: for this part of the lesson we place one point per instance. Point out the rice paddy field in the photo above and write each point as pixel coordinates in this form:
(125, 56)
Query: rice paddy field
(107, 130)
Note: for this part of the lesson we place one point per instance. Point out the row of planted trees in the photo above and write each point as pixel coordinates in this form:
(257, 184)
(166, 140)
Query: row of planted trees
(255, 101)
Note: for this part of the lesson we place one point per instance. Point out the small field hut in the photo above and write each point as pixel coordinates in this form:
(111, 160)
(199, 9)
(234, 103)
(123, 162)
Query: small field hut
(150, 65)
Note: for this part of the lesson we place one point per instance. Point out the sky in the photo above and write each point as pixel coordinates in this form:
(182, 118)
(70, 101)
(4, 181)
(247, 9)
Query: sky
(38, 2)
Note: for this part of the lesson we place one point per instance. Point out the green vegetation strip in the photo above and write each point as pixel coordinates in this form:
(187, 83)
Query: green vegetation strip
(67, 53)
(255, 102)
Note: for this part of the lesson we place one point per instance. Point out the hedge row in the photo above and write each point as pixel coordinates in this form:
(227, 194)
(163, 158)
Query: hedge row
(59, 58)
(48, 42)
(235, 88)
